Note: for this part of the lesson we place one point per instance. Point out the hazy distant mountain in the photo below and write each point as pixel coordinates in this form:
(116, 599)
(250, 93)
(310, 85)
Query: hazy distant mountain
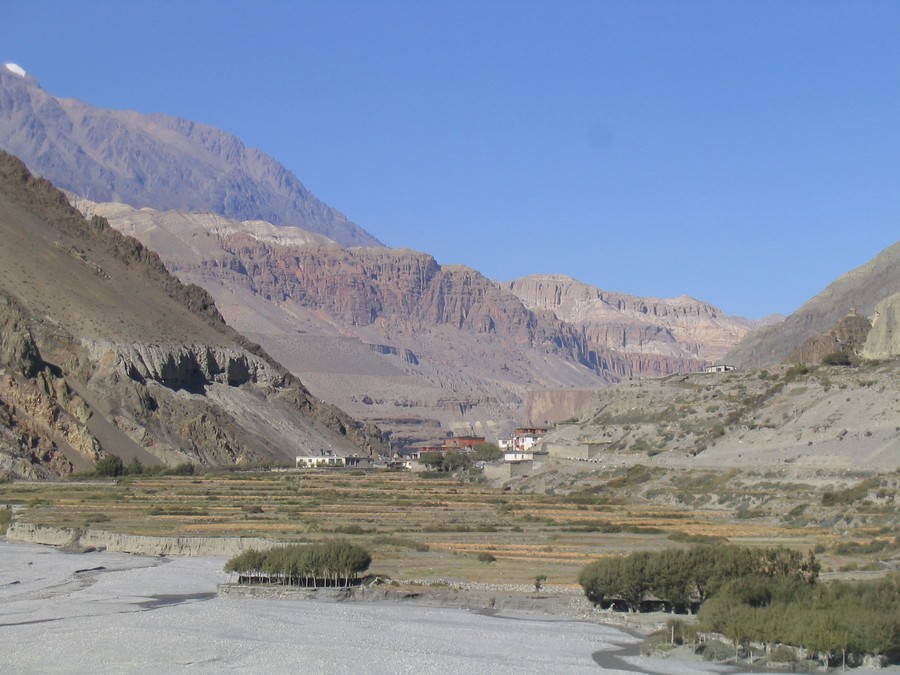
(675, 327)
(156, 160)
(858, 291)
(103, 351)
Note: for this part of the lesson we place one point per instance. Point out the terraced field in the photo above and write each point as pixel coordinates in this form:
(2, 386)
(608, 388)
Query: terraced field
(419, 527)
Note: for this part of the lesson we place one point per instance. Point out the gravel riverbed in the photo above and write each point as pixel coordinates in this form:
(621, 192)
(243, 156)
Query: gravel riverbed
(118, 613)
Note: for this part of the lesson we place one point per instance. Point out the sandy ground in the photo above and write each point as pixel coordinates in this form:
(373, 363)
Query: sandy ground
(117, 613)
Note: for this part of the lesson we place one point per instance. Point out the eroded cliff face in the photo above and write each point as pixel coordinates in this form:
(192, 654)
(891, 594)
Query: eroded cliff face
(675, 328)
(405, 294)
(179, 366)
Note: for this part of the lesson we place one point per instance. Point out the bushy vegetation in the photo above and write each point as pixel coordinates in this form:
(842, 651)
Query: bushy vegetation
(681, 579)
(487, 452)
(112, 466)
(837, 359)
(759, 595)
(838, 621)
(450, 461)
(315, 565)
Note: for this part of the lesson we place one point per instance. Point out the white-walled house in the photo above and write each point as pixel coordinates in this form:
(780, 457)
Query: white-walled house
(316, 461)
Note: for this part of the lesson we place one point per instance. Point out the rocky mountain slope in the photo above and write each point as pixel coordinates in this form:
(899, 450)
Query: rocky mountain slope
(826, 417)
(103, 351)
(390, 335)
(423, 348)
(859, 291)
(679, 328)
(156, 160)
(748, 438)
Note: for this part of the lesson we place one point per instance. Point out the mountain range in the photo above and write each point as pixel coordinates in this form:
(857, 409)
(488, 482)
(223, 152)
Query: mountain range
(390, 336)
(424, 348)
(156, 160)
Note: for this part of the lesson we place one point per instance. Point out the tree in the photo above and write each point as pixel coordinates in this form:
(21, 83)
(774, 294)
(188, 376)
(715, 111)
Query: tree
(110, 465)
(539, 582)
(433, 460)
(486, 452)
(135, 468)
(454, 460)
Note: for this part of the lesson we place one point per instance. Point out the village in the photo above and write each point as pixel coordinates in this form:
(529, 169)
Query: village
(510, 457)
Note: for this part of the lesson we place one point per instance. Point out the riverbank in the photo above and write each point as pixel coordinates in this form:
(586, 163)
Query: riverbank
(33, 595)
(487, 599)
(118, 613)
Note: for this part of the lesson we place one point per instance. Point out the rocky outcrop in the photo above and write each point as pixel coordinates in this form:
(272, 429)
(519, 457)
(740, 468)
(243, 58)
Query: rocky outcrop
(184, 366)
(551, 406)
(17, 347)
(406, 355)
(847, 336)
(156, 160)
(132, 543)
(883, 341)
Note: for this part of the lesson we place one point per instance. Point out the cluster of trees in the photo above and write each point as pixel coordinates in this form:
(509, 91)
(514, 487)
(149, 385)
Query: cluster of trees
(760, 595)
(680, 580)
(335, 564)
(837, 620)
(454, 460)
(112, 466)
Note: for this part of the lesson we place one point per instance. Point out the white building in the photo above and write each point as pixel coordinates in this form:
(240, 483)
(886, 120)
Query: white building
(320, 461)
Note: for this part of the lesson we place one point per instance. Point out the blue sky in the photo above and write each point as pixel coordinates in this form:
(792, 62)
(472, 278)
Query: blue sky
(743, 153)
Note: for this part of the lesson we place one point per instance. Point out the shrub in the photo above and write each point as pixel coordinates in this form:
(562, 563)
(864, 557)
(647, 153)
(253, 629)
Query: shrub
(486, 558)
(836, 359)
(796, 371)
(110, 466)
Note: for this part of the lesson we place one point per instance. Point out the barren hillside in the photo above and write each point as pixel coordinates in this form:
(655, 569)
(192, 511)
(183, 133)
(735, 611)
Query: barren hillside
(103, 351)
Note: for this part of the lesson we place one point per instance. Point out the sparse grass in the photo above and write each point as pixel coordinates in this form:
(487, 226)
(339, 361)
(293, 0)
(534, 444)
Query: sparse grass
(433, 528)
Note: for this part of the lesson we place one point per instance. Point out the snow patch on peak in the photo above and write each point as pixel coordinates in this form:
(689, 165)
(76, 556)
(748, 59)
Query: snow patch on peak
(15, 68)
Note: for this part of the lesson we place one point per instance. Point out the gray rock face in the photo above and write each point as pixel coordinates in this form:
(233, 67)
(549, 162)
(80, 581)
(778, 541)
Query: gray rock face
(156, 160)
(883, 341)
(184, 366)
